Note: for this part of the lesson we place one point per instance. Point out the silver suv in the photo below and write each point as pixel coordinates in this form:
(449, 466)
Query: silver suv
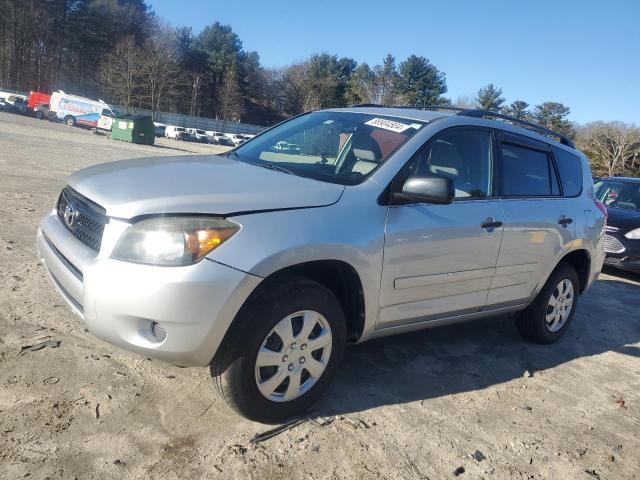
(264, 263)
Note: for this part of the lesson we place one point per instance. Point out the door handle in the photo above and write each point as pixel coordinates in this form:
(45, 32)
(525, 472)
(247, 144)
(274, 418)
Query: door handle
(491, 223)
(564, 221)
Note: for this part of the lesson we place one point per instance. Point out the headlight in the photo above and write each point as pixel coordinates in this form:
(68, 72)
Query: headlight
(633, 234)
(173, 241)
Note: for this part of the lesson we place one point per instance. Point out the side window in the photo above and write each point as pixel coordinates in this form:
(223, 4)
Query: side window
(463, 155)
(570, 169)
(527, 172)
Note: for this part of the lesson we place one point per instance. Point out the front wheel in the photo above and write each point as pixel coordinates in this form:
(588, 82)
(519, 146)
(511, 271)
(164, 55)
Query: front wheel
(282, 351)
(549, 316)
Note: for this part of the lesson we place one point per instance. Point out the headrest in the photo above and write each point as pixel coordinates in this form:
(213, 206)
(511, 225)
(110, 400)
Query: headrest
(367, 155)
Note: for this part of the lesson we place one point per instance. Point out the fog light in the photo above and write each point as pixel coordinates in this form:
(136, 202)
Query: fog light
(158, 332)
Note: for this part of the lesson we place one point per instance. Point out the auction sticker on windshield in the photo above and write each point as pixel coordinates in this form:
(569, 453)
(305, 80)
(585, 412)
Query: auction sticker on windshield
(388, 125)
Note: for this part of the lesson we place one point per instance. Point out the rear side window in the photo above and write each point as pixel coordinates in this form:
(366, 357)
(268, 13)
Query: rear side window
(570, 169)
(527, 172)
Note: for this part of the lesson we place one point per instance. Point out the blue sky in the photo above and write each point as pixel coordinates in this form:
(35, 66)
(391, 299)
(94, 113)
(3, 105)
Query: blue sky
(585, 54)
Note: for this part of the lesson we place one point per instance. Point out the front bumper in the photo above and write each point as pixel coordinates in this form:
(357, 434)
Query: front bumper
(118, 301)
(625, 255)
(631, 264)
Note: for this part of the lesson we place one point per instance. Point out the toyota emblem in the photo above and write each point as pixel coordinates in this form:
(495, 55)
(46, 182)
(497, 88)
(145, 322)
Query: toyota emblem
(70, 215)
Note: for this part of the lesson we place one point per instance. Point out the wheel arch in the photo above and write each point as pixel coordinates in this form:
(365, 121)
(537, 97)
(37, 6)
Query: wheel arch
(339, 277)
(580, 260)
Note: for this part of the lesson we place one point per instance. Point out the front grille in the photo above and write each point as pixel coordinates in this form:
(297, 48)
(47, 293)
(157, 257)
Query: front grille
(83, 218)
(612, 245)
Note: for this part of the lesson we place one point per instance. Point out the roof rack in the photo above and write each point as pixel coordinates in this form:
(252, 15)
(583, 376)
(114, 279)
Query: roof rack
(478, 113)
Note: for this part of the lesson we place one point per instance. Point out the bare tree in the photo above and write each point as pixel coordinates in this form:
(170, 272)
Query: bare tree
(160, 70)
(121, 72)
(613, 148)
(270, 89)
(465, 101)
(230, 101)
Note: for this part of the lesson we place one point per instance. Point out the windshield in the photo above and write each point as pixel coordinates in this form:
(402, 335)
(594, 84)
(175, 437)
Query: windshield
(336, 147)
(200, 132)
(618, 194)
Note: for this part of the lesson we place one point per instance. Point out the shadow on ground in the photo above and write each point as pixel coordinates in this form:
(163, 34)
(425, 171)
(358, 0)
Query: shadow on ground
(475, 355)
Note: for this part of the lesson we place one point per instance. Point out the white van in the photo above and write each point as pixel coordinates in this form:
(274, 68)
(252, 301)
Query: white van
(175, 132)
(198, 135)
(236, 138)
(72, 110)
(219, 138)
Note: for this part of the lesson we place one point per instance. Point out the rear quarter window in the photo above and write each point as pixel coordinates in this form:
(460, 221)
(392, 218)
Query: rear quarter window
(570, 170)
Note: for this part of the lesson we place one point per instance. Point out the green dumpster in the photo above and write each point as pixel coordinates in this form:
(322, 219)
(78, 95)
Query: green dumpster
(134, 129)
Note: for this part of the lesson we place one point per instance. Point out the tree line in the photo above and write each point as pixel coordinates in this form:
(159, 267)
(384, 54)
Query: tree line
(119, 50)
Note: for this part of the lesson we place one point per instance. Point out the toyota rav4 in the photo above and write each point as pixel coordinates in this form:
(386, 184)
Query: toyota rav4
(265, 262)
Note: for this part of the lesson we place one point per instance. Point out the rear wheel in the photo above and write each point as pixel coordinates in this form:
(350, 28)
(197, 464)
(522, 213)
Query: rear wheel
(69, 120)
(282, 351)
(548, 317)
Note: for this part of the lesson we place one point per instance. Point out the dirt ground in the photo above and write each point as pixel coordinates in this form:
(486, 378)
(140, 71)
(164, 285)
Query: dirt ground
(467, 401)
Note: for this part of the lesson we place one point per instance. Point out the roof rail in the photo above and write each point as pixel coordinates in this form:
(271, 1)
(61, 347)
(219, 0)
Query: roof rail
(478, 113)
(563, 139)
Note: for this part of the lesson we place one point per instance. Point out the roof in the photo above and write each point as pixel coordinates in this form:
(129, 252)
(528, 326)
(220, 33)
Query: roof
(497, 120)
(408, 113)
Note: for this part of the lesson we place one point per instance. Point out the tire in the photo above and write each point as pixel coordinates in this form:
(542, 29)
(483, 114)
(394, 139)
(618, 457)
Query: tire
(70, 121)
(234, 371)
(538, 322)
(40, 115)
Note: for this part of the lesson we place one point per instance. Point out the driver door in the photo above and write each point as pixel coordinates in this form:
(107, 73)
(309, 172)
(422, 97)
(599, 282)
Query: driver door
(439, 260)
(106, 120)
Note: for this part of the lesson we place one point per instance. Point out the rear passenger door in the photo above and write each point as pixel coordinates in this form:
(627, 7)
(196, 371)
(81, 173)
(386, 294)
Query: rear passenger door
(538, 221)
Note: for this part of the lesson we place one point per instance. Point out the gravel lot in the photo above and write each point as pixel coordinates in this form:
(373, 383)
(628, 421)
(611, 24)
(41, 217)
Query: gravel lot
(471, 399)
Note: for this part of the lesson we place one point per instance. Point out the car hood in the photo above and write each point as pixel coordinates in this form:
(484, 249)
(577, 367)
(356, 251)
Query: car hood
(623, 219)
(196, 184)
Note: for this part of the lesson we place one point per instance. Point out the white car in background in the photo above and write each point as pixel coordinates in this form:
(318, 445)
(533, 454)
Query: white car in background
(160, 129)
(236, 138)
(198, 135)
(219, 138)
(176, 133)
(283, 146)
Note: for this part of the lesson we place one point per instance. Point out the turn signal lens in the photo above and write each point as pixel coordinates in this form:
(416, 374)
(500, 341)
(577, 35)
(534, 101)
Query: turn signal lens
(201, 242)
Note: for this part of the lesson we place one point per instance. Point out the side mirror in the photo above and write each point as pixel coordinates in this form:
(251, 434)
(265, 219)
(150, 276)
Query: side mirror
(438, 190)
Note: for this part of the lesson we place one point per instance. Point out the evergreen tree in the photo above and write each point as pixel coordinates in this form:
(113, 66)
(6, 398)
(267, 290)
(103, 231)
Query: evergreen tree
(518, 109)
(553, 115)
(419, 82)
(361, 85)
(385, 78)
(489, 98)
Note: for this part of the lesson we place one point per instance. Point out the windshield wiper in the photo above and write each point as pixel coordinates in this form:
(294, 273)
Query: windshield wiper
(276, 168)
(267, 165)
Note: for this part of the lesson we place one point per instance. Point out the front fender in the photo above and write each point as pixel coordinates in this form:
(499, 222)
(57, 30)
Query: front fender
(351, 231)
